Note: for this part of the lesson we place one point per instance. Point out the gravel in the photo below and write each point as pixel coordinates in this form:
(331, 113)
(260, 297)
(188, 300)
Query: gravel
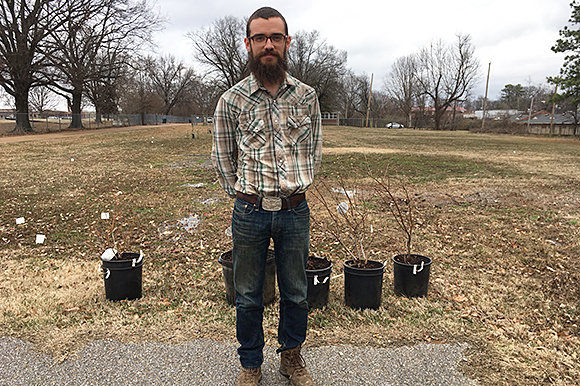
(207, 362)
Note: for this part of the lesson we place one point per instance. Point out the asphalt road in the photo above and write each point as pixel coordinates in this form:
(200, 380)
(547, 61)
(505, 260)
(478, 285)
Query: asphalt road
(207, 362)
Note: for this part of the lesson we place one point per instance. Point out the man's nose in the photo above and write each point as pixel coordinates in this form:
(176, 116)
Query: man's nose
(269, 43)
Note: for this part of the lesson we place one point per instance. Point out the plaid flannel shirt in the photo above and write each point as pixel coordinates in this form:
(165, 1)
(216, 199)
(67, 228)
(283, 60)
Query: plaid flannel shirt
(267, 146)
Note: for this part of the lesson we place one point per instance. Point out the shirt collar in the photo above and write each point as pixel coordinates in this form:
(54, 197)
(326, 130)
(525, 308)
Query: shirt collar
(254, 85)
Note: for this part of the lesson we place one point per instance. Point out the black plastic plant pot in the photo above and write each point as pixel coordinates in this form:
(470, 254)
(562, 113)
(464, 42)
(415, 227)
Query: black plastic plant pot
(363, 287)
(269, 294)
(412, 280)
(318, 284)
(124, 277)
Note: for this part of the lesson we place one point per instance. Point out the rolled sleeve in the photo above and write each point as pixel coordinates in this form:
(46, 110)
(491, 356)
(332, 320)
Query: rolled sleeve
(316, 135)
(224, 150)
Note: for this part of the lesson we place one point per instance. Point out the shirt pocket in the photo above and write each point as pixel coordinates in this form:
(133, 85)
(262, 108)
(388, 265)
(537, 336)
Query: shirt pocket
(253, 134)
(300, 127)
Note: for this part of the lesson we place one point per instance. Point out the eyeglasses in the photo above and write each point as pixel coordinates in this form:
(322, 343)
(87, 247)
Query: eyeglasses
(263, 39)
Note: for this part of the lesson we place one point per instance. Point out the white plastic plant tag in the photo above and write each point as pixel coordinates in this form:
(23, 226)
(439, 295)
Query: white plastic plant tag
(40, 239)
(109, 254)
(20, 220)
(139, 259)
(316, 281)
(342, 208)
(415, 270)
(229, 231)
(104, 215)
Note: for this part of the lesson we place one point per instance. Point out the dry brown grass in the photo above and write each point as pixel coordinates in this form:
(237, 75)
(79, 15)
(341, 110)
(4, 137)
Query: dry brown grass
(499, 215)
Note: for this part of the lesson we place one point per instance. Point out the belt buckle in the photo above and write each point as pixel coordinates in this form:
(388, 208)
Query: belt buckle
(272, 204)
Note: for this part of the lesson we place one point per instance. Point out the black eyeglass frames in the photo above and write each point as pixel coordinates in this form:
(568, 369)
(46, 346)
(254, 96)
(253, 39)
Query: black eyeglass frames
(262, 39)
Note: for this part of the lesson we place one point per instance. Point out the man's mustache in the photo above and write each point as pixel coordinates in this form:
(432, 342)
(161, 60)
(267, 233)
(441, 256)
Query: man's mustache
(269, 52)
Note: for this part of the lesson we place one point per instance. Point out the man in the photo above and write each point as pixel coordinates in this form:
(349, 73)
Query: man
(267, 148)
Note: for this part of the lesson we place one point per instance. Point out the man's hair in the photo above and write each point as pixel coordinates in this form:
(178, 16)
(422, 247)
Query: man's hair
(265, 13)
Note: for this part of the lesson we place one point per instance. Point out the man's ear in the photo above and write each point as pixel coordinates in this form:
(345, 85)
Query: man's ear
(248, 44)
(288, 39)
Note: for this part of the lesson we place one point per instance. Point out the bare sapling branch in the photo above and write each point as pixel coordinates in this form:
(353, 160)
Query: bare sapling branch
(349, 221)
(112, 231)
(400, 208)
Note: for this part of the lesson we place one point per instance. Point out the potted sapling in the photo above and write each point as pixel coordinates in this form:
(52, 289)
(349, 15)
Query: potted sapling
(348, 219)
(121, 267)
(411, 270)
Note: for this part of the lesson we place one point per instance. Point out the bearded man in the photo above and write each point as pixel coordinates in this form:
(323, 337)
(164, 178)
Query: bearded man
(267, 148)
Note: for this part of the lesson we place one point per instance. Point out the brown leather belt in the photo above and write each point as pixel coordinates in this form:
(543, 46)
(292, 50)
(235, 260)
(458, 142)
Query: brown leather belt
(273, 203)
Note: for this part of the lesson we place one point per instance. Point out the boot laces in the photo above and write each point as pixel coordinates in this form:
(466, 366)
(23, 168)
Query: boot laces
(296, 360)
(250, 374)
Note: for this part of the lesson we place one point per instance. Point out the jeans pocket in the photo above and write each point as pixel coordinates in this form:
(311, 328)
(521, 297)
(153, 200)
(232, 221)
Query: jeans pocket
(302, 209)
(243, 208)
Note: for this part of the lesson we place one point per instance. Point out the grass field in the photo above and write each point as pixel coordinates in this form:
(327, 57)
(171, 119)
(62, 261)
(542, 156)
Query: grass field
(499, 216)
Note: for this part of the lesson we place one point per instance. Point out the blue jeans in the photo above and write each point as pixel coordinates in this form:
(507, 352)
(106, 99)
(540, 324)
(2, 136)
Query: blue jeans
(252, 229)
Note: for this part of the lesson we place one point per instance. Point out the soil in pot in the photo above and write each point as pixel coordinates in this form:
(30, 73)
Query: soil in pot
(123, 276)
(269, 294)
(318, 272)
(411, 275)
(363, 284)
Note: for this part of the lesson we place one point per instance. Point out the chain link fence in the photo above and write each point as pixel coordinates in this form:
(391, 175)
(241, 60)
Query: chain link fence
(44, 123)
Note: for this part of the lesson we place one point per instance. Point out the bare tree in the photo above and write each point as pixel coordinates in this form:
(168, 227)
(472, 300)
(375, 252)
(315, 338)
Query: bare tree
(138, 96)
(24, 27)
(446, 74)
(205, 96)
(537, 93)
(319, 65)
(6, 98)
(362, 86)
(381, 105)
(104, 91)
(401, 85)
(347, 98)
(87, 34)
(170, 79)
(220, 48)
(42, 99)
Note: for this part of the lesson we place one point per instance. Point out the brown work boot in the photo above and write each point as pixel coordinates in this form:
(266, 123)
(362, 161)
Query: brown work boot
(250, 377)
(292, 366)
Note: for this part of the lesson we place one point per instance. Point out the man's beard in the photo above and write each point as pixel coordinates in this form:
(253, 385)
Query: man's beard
(266, 74)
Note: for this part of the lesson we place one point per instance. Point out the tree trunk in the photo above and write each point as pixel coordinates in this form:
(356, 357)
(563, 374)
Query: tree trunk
(453, 120)
(22, 121)
(437, 118)
(76, 122)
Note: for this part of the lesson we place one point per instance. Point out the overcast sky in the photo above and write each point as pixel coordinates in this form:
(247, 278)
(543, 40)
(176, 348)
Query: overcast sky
(514, 35)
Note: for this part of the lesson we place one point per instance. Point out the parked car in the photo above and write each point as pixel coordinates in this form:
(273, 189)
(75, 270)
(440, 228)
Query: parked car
(394, 125)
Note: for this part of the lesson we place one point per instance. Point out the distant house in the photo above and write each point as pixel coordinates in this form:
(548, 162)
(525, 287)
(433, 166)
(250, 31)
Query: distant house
(6, 113)
(496, 114)
(540, 123)
(330, 118)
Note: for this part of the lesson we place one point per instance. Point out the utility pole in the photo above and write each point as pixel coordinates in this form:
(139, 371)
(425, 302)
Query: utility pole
(369, 104)
(530, 115)
(553, 109)
(485, 97)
